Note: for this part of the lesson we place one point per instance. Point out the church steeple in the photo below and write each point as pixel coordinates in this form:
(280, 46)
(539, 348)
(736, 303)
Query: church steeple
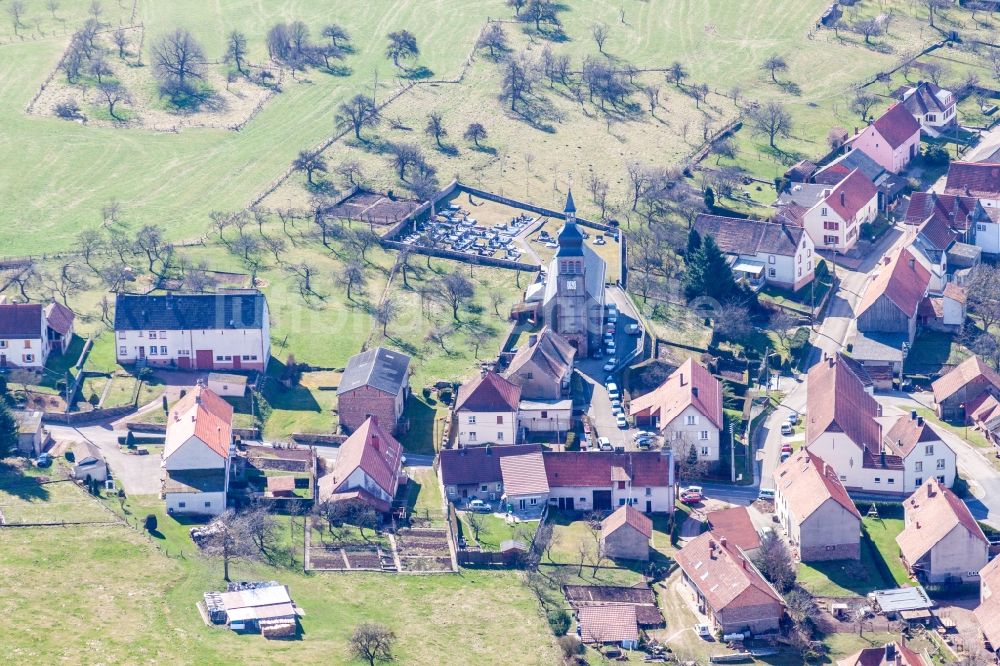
(570, 239)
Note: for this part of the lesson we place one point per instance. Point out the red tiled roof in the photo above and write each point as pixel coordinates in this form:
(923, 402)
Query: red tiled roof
(837, 402)
(938, 233)
(968, 370)
(932, 512)
(806, 482)
(477, 464)
(362, 495)
(59, 318)
(876, 656)
(903, 281)
(725, 577)
(627, 515)
(372, 450)
(954, 292)
(524, 474)
(974, 179)
(983, 409)
(594, 469)
(489, 393)
(897, 125)
(202, 414)
(954, 211)
(607, 624)
(907, 432)
(851, 195)
(736, 526)
(677, 393)
(22, 320)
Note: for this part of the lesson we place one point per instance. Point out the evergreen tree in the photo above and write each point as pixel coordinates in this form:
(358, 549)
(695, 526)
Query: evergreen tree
(694, 242)
(708, 274)
(8, 431)
(709, 198)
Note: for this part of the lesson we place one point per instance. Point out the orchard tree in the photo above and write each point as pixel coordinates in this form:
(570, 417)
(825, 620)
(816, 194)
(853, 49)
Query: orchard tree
(402, 46)
(863, 102)
(676, 73)
(336, 34)
(236, 50)
(114, 93)
(475, 133)
(360, 112)
(493, 39)
(178, 62)
(774, 64)
(310, 162)
(772, 120)
(435, 127)
(372, 642)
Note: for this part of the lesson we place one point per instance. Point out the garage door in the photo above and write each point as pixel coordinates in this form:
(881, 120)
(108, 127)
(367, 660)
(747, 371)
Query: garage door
(602, 500)
(203, 359)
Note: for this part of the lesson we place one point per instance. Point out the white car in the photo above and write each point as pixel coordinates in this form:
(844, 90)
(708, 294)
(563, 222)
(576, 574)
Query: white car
(616, 406)
(610, 365)
(786, 428)
(609, 346)
(621, 421)
(703, 630)
(604, 444)
(613, 391)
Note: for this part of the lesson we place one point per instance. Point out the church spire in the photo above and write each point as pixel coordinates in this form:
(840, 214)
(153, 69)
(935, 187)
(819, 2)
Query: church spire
(570, 208)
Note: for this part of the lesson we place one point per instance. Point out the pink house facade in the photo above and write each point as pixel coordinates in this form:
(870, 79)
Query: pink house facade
(893, 140)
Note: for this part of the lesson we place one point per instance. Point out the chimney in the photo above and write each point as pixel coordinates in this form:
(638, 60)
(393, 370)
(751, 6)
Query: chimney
(489, 451)
(890, 653)
(881, 457)
(682, 379)
(886, 260)
(920, 421)
(912, 262)
(711, 548)
(723, 541)
(855, 130)
(930, 490)
(913, 415)
(829, 361)
(917, 523)
(532, 340)
(694, 391)
(375, 442)
(843, 199)
(878, 410)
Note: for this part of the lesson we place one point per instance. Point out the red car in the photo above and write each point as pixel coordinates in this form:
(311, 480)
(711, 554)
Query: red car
(786, 448)
(691, 495)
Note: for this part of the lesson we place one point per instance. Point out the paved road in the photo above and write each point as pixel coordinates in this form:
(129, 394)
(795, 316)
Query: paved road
(139, 475)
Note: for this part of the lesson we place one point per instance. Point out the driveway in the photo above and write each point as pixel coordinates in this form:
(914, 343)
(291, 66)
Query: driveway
(138, 475)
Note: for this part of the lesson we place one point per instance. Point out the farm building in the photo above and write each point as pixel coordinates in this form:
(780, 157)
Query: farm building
(226, 385)
(639, 596)
(608, 625)
(30, 433)
(958, 394)
(375, 382)
(88, 462)
(254, 607)
(625, 534)
(194, 331)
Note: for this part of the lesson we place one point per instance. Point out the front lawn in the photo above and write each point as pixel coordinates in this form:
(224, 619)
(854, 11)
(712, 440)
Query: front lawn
(495, 530)
(425, 499)
(883, 533)
(931, 350)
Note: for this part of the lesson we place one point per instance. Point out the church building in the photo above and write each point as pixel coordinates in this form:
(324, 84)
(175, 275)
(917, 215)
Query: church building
(573, 305)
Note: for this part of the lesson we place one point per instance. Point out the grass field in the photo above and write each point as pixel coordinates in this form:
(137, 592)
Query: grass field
(23, 499)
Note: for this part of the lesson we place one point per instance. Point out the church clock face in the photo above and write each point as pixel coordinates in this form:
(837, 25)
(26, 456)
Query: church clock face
(571, 285)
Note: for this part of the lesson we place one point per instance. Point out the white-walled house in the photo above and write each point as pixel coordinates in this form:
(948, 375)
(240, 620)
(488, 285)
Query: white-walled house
(834, 222)
(555, 416)
(194, 331)
(198, 453)
(975, 179)
(892, 140)
(369, 468)
(941, 541)
(29, 332)
(687, 406)
(931, 106)
(762, 252)
(813, 506)
(486, 411)
(602, 480)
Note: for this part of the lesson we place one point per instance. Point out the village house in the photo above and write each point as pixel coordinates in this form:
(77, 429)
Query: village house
(762, 252)
(961, 391)
(728, 588)
(736, 525)
(525, 484)
(988, 611)
(957, 226)
(197, 454)
(687, 407)
(227, 385)
(890, 186)
(844, 428)
(639, 596)
(603, 625)
(891, 654)
(369, 468)
(985, 417)
(625, 534)
(542, 367)
(975, 179)
(892, 140)
(604, 480)
(88, 462)
(832, 215)
(815, 510)
(194, 331)
(573, 301)
(375, 382)
(930, 105)
(545, 416)
(887, 315)
(486, 411)
(470, 473)
(29, 332)
(941, 542)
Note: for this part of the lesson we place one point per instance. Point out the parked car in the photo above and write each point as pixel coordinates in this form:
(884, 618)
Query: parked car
(703, 630)
(642, 434)
(786, 448)
(44, 460)
(609, 346)
(633, 329)
(786, 428)
(610, 365)
(621, 421)
(692, 495)
(616, 405)
(644, 443)
(604, 444)
(479, 506)
(793, 418)
(766, 494)
(785, 455)
(613, 391)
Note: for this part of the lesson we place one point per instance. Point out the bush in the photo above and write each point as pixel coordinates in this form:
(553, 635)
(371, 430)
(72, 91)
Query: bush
(571, 440)
(559, 622)
(934, 155)
(571, 646)
(445, 396)
(150, 523)
(68, 110)
(94, 399)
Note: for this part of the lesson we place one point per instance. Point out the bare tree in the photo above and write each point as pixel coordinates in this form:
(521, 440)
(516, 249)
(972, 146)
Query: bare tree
(402, 46)
(438, 334)
(781, 323)
(178, 62)
(406, 155)
(676, 73)
(493, 39)
(725, 147)
(228, 536)
(652, 93)
(114, 93)
(372, 642)
(476, 523)
(120, 38)
(310, 162)
(983, 293)
(518, 80)
(774, 64)
(360, 112)
(275, 245)
(352, 276)
(52, 6)
(16, 11)
(599, 189)
(149, 240)
(868, 28)
(517, 5)
(600, 32)
(435, 127)
(475, 133)
(385, 313)
(236, 50)
(261, 528)
(933, 6)
(863, 102)
(456, 290)
(336, 34)
(772, 120)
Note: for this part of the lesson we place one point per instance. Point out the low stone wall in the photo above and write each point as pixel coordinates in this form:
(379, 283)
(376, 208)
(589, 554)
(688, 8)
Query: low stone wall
(311, 438)
(77, 418)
